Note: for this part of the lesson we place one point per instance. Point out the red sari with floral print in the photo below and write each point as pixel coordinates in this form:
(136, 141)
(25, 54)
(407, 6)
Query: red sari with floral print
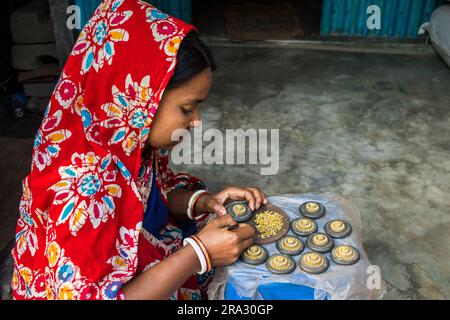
(80, 235)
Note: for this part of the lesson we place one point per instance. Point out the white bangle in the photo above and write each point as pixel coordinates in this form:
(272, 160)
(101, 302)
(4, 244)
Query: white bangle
(194, 197)
(199, 252)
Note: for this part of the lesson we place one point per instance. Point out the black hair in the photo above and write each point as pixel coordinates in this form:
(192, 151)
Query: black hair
(192, 58)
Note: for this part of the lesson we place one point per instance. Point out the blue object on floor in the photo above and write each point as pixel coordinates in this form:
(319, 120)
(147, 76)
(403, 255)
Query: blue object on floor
(274, 291)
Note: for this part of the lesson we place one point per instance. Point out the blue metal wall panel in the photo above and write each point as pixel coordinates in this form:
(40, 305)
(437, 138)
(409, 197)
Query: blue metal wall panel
(178, 8)
(181, 9)
(399, 18)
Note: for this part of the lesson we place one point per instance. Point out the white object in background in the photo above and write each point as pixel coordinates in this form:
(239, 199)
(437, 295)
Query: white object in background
(439, 30)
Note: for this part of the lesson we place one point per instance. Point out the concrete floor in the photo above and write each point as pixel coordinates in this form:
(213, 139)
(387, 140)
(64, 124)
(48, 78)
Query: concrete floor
(373, 128)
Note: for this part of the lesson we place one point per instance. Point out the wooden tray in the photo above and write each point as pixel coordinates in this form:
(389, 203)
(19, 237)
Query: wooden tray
(284, 229)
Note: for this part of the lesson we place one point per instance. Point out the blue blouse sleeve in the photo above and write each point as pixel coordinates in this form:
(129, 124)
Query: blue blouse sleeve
(157, 214)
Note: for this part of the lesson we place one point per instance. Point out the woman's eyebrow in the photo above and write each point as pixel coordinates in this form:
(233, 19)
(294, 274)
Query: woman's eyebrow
(194, 101)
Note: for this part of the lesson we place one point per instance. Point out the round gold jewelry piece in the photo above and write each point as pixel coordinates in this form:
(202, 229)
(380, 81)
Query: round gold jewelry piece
(312, 210)
(254, 255)
(303, 227)
(290, 245)
(345, 255)
(312, 207)
(338, 228)
(320, 242)
(280, 264)
(313, 262)
(238, 209)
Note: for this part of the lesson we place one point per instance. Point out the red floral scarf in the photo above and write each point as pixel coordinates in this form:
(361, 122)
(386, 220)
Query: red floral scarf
(79, 235)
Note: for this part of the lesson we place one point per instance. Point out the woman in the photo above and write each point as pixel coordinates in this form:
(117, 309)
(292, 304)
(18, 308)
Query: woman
(100, 209)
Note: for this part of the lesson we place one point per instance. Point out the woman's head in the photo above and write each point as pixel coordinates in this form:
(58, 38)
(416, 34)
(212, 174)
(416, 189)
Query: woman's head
(193, 57)
(189, 86)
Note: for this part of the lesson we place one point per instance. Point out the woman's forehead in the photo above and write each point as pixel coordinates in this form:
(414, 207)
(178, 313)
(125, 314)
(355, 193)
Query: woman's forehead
(196, 89)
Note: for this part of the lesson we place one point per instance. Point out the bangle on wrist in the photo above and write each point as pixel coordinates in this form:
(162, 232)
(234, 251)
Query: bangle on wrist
(203, 215)
(200, 255)
(205, 252)
(192, 201)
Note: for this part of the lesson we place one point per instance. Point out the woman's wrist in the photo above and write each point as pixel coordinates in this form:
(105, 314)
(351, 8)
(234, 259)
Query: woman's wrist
(160, 281)
(196, 211)
(201, 252)
(200, 206)
(196, 264)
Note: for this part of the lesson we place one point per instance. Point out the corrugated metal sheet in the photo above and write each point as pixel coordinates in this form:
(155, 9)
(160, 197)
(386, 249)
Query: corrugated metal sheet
(399, 18)
(181, 9)
(87, 8)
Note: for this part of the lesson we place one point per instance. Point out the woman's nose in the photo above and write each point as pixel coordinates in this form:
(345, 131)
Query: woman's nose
(195, 121)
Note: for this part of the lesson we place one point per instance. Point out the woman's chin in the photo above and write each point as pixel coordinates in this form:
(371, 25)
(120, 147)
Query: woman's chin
(170, 145)
(165, 146)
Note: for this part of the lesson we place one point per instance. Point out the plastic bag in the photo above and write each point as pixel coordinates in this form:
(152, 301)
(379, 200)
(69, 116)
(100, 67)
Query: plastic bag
(438, 30)
(338, 282)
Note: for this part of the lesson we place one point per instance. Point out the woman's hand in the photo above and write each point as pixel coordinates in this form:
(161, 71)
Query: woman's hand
(215, 202)
(225, 246)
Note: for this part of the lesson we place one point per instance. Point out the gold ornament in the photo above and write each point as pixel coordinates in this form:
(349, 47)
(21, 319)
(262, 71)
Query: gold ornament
(280, 263)
(320, 242)
(338, 228)
(320, 239)
(290, 245)
(239, 209)
(303, 226)
(313, 262)
(254, 255)
(344, 254)
(312, 207)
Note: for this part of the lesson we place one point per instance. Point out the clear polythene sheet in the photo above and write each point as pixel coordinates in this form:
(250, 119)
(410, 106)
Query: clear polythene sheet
(338, 282)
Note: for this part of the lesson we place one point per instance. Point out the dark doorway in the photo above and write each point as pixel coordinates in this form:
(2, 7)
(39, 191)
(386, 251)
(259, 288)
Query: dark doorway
(241, 20)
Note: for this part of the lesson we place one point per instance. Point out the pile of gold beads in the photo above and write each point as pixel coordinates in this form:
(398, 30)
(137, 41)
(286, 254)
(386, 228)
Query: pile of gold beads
(268, 223)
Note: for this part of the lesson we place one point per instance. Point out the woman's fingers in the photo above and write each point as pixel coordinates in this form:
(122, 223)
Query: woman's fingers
(250, 197)
(254, 196)
(224, 221)
(245, 244)
(235, 193)
(245, 231)
(217, 207)
(239, 194)
(259, 196)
